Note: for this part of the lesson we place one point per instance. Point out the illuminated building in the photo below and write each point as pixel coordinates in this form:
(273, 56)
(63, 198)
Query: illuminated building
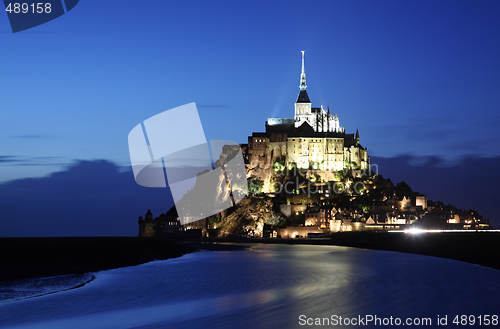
(313, 139)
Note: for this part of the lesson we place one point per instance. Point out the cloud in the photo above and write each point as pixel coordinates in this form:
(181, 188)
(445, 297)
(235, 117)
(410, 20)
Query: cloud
(13, 160)
(88, 198)
(469, 182)
(97, 198)
(8, 159)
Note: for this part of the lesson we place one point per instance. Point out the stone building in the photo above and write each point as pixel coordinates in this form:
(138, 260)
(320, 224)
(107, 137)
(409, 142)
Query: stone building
(162, 226)
(313, 139)
(148, 227)
(318, 216)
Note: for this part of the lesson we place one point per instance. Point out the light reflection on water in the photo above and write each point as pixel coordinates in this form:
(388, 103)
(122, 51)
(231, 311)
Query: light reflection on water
(264, 287)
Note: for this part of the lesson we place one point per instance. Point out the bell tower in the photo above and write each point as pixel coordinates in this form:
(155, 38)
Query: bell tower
(303, 104)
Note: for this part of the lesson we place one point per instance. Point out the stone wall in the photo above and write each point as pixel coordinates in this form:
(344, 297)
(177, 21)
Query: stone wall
(298, 208)
(325, 175)
(286, 209)
(300, 231)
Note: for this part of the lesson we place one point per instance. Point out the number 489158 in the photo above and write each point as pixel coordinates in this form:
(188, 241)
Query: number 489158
(482, 320)
(24, 8)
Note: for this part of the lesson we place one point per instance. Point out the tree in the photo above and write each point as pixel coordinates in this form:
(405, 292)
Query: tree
(296, 179)
(358, 186)
(279, 164)
(255, 184)
(275, 219)
(339, 176)
(403, 190)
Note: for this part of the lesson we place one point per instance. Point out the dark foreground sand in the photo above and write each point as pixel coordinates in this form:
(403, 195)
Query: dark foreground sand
(35, 257)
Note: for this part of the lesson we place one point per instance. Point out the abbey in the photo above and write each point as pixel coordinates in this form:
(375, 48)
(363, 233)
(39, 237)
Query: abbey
(313, 139)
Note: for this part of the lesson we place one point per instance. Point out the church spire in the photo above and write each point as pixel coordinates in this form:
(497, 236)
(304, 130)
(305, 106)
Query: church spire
(303, 97)
(303, 74)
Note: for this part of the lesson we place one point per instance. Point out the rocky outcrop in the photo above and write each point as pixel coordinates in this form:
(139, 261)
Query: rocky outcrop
(248, 217)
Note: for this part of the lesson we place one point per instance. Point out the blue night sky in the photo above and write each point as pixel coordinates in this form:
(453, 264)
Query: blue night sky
(419, 78)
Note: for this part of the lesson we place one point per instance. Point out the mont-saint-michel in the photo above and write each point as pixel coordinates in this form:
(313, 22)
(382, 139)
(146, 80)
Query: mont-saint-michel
(307, 177)
(319, 206)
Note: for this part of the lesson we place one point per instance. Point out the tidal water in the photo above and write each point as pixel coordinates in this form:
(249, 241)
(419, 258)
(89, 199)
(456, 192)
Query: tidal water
(268, 286)
(12, 290)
